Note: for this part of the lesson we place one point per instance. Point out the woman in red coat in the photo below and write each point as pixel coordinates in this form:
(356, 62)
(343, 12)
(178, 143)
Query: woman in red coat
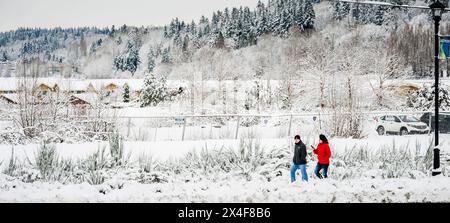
(323, 154)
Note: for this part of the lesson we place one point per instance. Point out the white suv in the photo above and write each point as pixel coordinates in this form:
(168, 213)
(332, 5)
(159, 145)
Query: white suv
(402, 124)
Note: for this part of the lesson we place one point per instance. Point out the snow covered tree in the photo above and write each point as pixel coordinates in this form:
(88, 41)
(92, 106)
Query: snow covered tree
(3, 56)
(424, 98)
(340, 10)
(95, 45)
(309, 15)
(129, 60)
(261, 19)
(154, 90)
(186, 54)
(285, 93)
(126, 93)
(166, 56)
(151, 60)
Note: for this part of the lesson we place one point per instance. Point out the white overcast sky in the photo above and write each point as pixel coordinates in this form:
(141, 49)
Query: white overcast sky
(102, 13)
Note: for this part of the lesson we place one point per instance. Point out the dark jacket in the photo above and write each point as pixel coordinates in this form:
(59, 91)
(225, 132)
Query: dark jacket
(299, 153)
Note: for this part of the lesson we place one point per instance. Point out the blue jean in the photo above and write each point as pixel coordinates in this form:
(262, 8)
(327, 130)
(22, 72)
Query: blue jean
(320, 167)
(302, 168)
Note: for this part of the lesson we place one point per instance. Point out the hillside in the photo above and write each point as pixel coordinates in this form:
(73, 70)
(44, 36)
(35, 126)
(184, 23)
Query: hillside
(234, 43)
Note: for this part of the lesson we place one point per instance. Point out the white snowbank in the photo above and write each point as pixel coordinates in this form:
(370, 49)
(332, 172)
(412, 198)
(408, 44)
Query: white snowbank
(429, 189)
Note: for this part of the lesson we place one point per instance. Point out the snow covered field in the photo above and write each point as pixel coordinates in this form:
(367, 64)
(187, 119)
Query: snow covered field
(166, 150)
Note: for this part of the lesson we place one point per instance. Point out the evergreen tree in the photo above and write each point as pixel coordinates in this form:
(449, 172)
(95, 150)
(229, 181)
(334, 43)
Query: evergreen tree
(340, 10)
(309, 15)
(151, 61)
(185, 49)
(261, 19)
(126, 93)
(112, 33)
(129, 60)
(166, 57)
(226, 29)
(3, 56)
(193, 30)
(166, 33)
(154, 91)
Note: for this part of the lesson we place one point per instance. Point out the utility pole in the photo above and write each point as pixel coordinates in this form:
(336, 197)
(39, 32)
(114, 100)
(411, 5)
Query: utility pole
(437, 9)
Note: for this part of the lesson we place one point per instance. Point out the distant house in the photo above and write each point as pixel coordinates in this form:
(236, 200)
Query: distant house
(81, 103)
(111, 87)
(76, 87)
(43, 89)
(78, 100)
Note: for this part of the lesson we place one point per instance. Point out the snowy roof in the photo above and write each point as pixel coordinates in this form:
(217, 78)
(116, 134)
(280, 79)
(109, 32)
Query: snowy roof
(10, 97)
(134, 84)
(8, 84)
(87, 97)
(11, 83)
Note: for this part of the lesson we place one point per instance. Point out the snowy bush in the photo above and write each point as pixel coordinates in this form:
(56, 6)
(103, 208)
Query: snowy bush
(13, 164)
(12, 136)
(250, 121)
(117, 150)
(346, 125)
(94, 167)
(423, 99)
(154, 91)
(146, 163)
(47, 160)
(386, 162)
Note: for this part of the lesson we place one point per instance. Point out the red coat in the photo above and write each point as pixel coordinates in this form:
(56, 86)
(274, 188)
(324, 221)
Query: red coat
(323, 153)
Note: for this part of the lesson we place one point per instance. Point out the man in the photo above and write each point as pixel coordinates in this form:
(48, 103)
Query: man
(299, 159)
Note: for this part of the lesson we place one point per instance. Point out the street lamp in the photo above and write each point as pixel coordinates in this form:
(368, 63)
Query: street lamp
(437, 8)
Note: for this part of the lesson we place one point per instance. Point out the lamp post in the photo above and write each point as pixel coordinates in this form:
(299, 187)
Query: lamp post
(437, 8)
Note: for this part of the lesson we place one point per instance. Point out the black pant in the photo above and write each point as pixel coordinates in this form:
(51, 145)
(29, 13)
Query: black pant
(319, 167)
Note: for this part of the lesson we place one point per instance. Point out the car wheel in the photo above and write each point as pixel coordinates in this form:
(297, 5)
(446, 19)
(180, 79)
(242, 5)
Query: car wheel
(403, 131)
(380, 130)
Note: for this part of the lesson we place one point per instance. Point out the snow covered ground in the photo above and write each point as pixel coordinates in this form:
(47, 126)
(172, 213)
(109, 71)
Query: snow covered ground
(190, 178)
(427, 189)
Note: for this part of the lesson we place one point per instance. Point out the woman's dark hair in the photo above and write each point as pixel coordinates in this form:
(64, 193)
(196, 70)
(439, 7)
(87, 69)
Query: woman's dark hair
(323, 138)
(297, 137)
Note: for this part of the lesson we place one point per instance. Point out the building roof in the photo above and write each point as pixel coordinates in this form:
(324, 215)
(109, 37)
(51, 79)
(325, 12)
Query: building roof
(87, 97)
(12, 98)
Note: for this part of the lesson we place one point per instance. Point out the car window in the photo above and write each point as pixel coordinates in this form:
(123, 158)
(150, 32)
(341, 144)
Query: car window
(408, 118)
(389, 118)
(396, 119)
(383, 118)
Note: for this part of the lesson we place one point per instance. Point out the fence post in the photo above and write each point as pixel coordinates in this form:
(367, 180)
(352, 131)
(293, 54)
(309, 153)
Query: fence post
(129, 125)
(237, 126)
(429, 124)
(290, 125)
(184, 128)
